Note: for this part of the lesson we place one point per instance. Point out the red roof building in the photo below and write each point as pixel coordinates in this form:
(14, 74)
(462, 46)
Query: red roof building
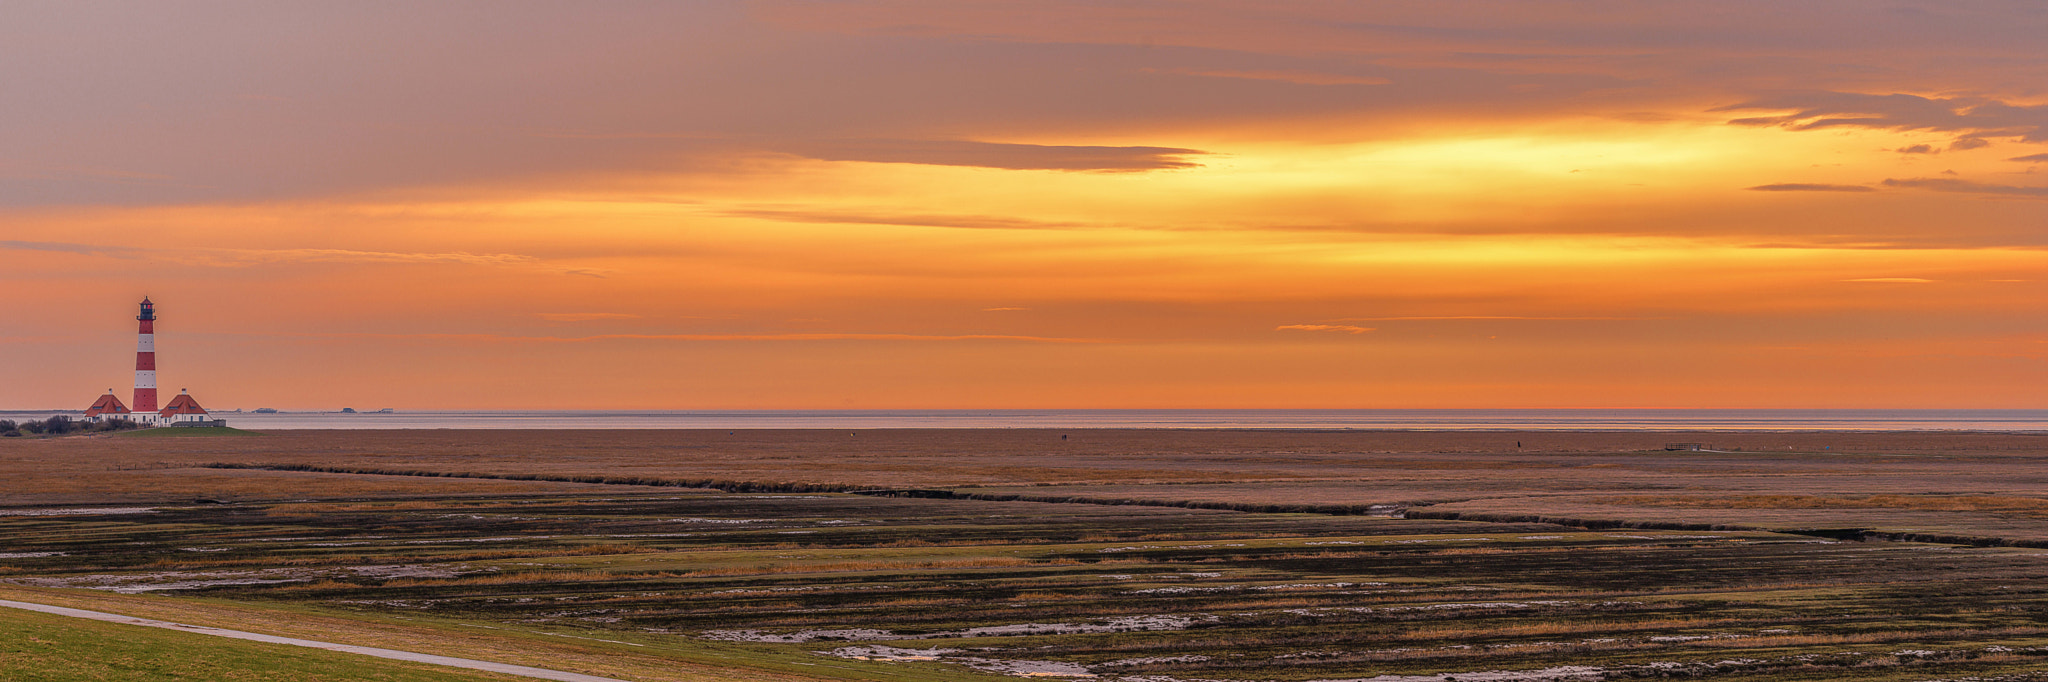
(182, 408)
(107, 405)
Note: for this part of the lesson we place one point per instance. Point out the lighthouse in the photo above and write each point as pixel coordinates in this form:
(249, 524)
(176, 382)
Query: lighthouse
(183, 410)
(145, 359)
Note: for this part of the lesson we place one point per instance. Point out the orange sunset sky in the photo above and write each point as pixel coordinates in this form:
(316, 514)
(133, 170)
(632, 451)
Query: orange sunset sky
(1033, 204)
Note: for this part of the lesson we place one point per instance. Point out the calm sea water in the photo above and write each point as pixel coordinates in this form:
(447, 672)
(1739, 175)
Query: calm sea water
(1450, 420)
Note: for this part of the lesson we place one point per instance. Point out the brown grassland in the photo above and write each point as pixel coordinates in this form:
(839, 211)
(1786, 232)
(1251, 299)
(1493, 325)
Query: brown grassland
(1134, 555)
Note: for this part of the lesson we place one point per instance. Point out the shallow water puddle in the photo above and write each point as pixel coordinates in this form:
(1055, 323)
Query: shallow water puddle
(1016, 668)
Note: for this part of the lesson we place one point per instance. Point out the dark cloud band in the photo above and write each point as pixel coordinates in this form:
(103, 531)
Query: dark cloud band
(1810, 187)
(998, 155)
(1974, 118)
(1966, 186)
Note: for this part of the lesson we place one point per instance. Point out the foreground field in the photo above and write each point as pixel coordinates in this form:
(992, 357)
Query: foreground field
(667, 583)
(37, 647)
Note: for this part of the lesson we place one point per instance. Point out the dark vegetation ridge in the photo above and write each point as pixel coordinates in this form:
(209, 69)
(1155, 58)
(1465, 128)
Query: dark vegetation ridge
(1859, 534)
(61, 425)
(1386, 510)
(709, 483)
(874, 491)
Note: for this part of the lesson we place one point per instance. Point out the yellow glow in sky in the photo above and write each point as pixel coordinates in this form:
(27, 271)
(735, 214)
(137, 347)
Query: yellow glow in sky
(1237, 205)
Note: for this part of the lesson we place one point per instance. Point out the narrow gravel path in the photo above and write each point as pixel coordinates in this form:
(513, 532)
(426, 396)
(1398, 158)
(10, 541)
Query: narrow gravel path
(450, 661)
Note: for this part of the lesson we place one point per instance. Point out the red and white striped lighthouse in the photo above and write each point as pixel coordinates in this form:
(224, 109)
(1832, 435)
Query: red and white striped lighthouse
(145, 360)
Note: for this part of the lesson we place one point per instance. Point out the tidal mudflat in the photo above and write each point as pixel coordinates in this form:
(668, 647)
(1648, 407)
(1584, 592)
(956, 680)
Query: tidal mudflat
(1177, 556)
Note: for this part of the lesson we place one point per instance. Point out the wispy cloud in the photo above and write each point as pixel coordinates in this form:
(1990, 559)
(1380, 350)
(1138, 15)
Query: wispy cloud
(999, 155)
(971, 222)
(1344, 328)
(349, 256)
(1892, 280)
(1810, 187)
(246, 257)
(839, 336)
(1487, 317)
(40, 339)
(1289, 76)
(584, 317)
(798, 336)
(2030, 157)
(1970, 117)
(65, 247)
(1966, 186)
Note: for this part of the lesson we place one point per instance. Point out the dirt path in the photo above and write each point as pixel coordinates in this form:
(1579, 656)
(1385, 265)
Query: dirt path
(450, 661)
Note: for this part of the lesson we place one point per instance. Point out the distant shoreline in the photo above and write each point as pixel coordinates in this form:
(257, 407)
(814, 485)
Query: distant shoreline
(1423, 420)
